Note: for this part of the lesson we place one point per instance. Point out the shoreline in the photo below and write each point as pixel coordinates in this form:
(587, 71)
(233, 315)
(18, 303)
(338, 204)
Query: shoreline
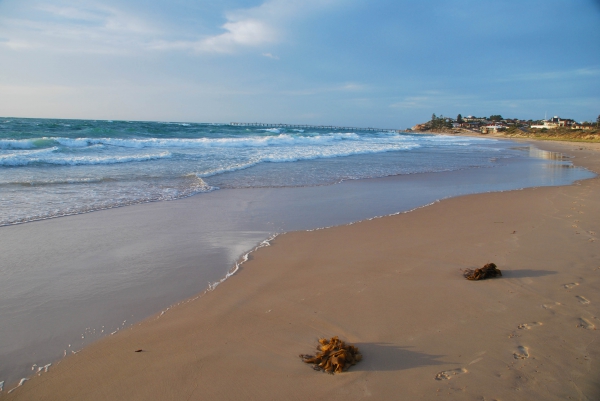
(223, 316)
(535, 136)
(125, 264)
(462, 132)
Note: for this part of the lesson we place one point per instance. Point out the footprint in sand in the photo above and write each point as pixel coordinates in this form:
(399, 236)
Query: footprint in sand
(586, 324)
(522, 353)
(570, 285)
(582, 300)
(529, 326)
(448, 374)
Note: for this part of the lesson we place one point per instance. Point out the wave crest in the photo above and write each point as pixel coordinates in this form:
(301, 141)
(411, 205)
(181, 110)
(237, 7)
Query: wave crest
(20, 159)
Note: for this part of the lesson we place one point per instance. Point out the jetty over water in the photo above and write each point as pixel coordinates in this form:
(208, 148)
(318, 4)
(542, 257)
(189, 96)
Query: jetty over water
(305, 126)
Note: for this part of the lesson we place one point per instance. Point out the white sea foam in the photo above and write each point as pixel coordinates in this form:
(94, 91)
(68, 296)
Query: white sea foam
(19, 159)
(30, 152)
(58, 181)
(244, 259)
(274, 130)
(246, 141)
(23, 380)
(16, 144)
(237, 142)
(308, 153)
(44, 368)
(332, 152)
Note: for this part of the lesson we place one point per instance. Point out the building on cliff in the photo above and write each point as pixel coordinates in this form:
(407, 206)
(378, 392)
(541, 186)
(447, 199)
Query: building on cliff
(555, 122)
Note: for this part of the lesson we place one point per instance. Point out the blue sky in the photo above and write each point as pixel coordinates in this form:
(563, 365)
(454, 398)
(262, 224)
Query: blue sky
(381, 63)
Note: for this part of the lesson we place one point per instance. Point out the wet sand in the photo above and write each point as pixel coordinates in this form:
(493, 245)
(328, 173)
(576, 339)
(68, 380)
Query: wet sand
(393, 287)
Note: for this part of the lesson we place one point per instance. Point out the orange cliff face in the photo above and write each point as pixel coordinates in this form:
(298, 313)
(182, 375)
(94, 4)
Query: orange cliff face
(421, 127)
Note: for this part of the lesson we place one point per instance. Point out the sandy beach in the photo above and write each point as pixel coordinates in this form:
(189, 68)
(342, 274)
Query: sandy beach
(392, 286)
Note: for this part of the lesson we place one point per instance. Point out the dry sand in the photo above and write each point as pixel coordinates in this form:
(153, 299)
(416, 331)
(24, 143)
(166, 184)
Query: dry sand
(393, 287)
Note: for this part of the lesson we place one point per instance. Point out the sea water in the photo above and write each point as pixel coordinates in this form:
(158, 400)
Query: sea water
(51, 168)
(67, 281)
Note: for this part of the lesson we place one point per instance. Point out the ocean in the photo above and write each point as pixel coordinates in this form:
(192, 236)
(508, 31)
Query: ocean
(177, 205)
(52, 168)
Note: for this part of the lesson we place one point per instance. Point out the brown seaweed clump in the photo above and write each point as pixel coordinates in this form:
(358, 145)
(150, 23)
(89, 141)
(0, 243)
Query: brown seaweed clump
(334, 356)
(488, 271)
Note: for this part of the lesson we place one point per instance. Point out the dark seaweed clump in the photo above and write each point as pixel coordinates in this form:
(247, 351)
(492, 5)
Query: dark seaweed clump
(334, 356)
(488, 271)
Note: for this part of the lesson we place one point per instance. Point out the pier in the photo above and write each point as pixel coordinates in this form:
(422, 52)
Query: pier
(306, 126)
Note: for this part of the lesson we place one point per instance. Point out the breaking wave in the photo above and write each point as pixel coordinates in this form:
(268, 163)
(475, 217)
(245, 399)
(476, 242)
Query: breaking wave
(48, 157)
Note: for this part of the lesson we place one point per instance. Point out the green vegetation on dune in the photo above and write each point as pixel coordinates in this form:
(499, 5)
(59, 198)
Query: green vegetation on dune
(557, 134)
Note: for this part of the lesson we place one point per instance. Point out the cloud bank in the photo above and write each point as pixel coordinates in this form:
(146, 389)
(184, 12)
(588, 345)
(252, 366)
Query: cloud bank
(94, 27)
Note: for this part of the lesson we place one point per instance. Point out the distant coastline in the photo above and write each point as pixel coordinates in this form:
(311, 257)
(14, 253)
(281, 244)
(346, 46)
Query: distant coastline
(558, 134)
(553, 129)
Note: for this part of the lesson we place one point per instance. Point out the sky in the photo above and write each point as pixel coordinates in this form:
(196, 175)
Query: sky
(365, 63)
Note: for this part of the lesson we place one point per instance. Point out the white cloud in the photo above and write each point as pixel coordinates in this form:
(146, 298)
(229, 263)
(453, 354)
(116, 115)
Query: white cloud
(412, 102)
(15, 44)
(246, 28)
(431, 100)
(70, 26)
(555, 75)
(93, 26)
(345, 87)
(248, 32)
(269, 55)
(33, 90)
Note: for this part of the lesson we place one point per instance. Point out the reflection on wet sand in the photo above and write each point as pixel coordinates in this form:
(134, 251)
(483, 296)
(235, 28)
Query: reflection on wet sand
(544, 154)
